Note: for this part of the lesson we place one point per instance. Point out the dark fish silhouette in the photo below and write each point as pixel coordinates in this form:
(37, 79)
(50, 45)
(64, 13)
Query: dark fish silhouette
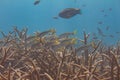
(102, 10)
(100, 22)
(105, 15)
(69, 12)
(36, 2)
(84, 5)
(107, 28)
(111, 36)
(94, 36)
(100, 32)
(55, 17)
(110, 9)
(118, 32)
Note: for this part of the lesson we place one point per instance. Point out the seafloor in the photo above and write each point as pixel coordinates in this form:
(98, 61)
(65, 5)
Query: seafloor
(47, 56)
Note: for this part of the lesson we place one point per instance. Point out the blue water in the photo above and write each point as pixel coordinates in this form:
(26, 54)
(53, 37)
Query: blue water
(95, 13)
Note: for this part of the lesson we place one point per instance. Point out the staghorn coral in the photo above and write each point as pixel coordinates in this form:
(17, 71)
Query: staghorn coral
(45, 57)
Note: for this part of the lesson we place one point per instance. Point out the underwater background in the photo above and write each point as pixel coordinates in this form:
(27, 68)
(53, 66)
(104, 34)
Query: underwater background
(97, 15)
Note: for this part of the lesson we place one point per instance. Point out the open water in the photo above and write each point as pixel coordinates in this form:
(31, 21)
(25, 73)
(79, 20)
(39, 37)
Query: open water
(97, 15)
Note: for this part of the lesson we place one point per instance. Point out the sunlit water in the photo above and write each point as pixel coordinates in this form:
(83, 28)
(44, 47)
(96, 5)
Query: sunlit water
(103, 14)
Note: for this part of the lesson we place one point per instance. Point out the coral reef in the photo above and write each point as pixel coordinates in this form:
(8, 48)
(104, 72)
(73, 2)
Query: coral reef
(46, 56)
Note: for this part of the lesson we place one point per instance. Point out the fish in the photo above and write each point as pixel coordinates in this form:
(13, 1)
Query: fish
(94, 36)
(102, 10)
(110, 9)
(66, 35)
(118, 32)
(53, 43)
(101, 32)
(69, 12)
(40, 39)
(105, 15)
(69, 41)
(100, 22)
(36, 2)
(111, 36)
(93, 44)
(55, 17)
(84, 5)
(52, 31)
(107, 28)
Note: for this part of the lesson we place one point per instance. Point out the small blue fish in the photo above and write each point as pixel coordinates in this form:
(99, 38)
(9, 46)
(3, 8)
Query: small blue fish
(100, 32)
(110, 9)
(107, 28)
(102, 10)
(100, 22)
(36, 2)
(111, 36)
(55, 17)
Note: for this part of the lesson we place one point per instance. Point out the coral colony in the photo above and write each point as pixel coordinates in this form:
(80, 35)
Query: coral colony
(47, 56)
